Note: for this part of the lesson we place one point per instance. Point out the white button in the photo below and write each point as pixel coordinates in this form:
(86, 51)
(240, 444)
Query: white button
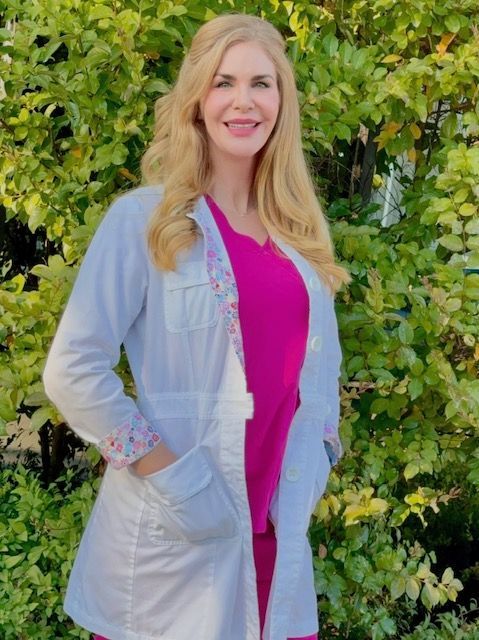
(314, 283)
(315, 343)
(292, 474)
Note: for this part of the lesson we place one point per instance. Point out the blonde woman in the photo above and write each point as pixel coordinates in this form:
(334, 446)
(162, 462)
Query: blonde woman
(219, 279)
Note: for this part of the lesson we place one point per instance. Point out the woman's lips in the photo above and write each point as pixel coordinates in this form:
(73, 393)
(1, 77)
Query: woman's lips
(242, 129)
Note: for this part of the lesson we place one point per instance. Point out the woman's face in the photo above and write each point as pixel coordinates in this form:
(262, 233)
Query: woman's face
(242, 104)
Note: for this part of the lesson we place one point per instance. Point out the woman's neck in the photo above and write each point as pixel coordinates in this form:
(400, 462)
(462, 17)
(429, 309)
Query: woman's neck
(231, 184)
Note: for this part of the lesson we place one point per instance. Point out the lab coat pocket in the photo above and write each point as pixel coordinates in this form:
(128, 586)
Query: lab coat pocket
(189, 299)
(188, 503)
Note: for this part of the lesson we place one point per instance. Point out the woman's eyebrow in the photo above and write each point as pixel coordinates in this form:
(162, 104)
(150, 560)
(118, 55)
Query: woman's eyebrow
(228, 76)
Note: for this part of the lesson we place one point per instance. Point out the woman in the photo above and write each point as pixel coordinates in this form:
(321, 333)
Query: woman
(220, 285)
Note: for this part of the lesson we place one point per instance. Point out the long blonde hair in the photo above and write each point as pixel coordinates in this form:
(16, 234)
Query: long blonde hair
(178, 155)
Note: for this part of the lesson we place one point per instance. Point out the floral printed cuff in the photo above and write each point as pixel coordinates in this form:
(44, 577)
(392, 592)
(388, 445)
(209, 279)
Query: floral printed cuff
(128, 442)
(332, 444)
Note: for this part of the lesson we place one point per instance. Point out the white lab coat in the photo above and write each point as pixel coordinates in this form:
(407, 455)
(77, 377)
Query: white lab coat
(169, 556)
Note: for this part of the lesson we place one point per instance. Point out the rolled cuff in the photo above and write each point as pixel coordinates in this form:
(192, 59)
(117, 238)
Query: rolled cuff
(128, 442)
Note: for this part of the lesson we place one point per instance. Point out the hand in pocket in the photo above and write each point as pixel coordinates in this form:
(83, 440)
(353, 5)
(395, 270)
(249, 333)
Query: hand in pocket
(190, 500)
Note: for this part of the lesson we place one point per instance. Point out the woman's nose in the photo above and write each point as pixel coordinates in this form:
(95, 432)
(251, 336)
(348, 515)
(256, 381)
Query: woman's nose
(243, 98)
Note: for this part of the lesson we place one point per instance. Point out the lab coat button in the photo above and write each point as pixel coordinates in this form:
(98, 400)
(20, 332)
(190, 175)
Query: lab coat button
(314, 284)
(315, 343)
(292, 474)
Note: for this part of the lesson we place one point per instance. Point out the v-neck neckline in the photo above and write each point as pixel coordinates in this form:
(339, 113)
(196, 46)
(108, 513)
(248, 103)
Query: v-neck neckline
(257, 244)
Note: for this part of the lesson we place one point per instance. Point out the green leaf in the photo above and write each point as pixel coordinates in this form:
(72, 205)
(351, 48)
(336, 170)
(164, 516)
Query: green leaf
(467, 209)
(449, 125)
(39, 417)
(342, 131)
(453, 304)
(420, 103)
(100, 12)
(413, 588)
(461, 195)
(34, 575)
(36, 211)
(156, 85)
(447, 576)
(330, 44)
(450, 410)
(472, 243)
(12, 561)
(472, 227)
(415, 388)
(346, 88)
(411, 470)
(340, 553)
(393, 57)
(7, 412)
(378, 406)
(429, 595)
(388, 625)
(453, 22)
(5, 34)
(398, 587)
(321, 77)
(405, 332)
(451, 242)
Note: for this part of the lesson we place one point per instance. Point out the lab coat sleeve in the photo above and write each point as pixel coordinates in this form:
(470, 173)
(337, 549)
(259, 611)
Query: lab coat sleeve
(107, 297)
(333, 359)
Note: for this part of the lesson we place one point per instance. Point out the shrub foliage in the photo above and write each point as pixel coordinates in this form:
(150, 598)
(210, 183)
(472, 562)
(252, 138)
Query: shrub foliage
(388, 89)
(39, 533)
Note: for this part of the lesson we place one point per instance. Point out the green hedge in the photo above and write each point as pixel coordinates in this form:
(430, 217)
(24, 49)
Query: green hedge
(396, 534)
(40, 530)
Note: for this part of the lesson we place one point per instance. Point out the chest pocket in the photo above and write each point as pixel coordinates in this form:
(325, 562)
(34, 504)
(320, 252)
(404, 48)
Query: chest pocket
(189, 299)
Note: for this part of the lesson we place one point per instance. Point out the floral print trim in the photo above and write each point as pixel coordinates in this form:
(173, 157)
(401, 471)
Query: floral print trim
(332, 444)
(223, 283)
(128, 442)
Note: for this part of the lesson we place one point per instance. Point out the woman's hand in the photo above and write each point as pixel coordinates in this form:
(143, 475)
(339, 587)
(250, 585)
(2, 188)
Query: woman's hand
(155, 460)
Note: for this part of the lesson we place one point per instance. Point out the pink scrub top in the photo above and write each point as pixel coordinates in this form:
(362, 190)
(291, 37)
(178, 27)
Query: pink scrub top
(274, 315)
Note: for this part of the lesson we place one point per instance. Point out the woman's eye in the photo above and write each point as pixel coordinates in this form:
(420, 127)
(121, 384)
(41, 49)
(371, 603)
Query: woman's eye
(225, 83)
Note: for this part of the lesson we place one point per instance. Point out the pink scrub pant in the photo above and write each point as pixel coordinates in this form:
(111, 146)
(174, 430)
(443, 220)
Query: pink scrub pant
(264, 548)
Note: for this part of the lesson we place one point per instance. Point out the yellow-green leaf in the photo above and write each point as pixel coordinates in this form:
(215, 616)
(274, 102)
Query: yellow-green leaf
(472, 243)
(353, 513)
(472, 227)
(453, 304)
(398, 587)
(411, 470)
(429, 595)
(415, 130)
(11, 561)
(392, 57)
(447, 576)
(378, 505)
(413, 588)
(461, 195)
(467, 209)
(451, 242)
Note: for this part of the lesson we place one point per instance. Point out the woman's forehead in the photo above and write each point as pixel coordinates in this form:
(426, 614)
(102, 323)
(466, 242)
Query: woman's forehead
(246, 58)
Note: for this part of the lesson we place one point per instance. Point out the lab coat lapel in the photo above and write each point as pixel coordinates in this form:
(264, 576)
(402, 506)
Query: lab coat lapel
(221, 275)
